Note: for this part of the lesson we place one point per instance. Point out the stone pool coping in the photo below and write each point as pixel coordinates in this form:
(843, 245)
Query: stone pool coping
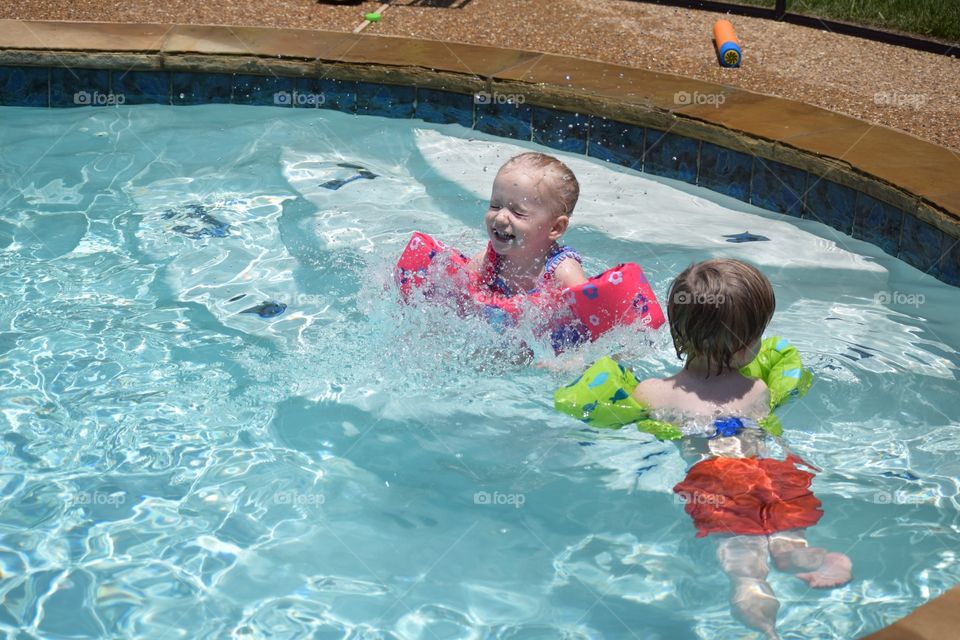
(896, 171)
(935, 620)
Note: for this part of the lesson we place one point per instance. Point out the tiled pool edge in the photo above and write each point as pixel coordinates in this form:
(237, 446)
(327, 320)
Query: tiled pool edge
(389, 76)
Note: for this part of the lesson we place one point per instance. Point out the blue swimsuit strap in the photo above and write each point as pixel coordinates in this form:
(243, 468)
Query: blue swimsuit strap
(557, 255)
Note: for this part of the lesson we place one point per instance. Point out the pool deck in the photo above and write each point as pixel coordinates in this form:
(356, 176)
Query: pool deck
(908, 90)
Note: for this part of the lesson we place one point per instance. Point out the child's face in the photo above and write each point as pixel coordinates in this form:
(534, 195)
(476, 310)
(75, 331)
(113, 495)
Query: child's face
(522, 217)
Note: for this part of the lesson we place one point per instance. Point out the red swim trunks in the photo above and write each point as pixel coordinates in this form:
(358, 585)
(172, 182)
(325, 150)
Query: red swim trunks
(749, 496)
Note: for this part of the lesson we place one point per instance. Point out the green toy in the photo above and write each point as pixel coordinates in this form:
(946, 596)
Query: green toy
(603, 396)
(372, 17)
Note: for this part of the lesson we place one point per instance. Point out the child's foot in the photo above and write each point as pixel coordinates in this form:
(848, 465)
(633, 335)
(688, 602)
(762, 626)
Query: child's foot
(753, 602)
(798, 558)
(834, 571)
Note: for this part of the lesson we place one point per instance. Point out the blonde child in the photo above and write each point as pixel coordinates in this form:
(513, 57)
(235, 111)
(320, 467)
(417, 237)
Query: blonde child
(530, 207)
(717, 312)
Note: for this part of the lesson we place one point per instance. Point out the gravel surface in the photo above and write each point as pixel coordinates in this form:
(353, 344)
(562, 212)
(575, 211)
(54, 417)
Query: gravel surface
(908, 90)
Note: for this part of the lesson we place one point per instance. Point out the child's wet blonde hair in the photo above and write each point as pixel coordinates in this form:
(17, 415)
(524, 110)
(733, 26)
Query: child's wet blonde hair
(716, 308)
(563, 184)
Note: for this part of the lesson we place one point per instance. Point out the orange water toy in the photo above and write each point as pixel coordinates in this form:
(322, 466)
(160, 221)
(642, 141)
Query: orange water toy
(728, 47)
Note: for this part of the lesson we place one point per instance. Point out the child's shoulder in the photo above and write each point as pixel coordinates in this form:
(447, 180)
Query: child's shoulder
(758, 398)
(653, 392)
(568, 273)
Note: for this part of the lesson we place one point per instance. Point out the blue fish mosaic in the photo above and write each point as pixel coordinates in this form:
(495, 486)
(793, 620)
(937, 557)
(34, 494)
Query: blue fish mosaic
(196, 222)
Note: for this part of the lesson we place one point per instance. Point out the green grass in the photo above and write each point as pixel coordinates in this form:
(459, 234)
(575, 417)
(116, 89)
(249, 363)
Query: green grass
(933, 18)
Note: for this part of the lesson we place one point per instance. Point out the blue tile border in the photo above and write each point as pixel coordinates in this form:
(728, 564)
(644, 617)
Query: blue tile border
(445, 107)
(765, 183)
(388, 100)
(725, 171)
(671, 156)
(878, 223)
(80, 88)
(141, 87)
(24, 86)
(778, 187)
(187, 88)
(830, 203)
(921, 245)
(505, 119)
(265, 91)
(616, 142)
(307, 94)
(949, 269)
(560, 130)
(340, 95)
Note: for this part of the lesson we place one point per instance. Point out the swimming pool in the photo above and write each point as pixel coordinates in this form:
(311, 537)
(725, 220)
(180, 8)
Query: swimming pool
(180, 460)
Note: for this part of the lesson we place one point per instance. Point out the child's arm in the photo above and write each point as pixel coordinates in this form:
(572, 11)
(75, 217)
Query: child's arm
(569, 273)
(476, 262)
(648, 392)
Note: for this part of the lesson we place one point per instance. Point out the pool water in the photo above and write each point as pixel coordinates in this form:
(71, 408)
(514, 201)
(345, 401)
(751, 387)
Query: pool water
(218, 421)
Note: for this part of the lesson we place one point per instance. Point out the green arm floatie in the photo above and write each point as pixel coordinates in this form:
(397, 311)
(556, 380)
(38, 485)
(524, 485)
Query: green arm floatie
(603, 396)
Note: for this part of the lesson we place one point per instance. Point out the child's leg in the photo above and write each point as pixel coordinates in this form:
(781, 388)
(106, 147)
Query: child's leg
(744, 560)
(814, 565)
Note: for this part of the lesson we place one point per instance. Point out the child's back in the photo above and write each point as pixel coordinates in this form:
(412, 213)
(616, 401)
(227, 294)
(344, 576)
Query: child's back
(690, 394)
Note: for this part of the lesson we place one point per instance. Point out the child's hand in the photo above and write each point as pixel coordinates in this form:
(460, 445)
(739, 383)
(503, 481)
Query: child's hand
(565, 365)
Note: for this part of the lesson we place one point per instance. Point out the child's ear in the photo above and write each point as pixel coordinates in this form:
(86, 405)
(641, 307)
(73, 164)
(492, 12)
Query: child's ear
(559, 227)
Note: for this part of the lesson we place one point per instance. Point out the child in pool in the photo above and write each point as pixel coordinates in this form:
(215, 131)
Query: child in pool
(530, 207)
(717, 312)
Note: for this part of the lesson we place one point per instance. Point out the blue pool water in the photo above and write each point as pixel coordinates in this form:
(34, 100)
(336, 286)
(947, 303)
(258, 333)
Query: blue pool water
(218, 421)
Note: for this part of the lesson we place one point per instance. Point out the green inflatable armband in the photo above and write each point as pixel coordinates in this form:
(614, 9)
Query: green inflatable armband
(603, 396)
(778, 365)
